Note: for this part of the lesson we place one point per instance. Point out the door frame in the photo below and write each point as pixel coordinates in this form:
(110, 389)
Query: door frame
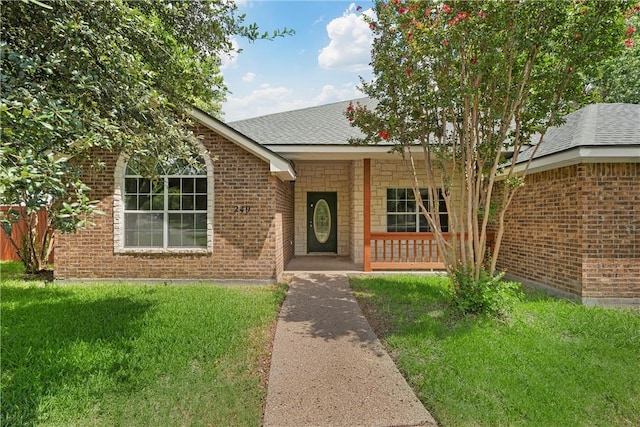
(331, 197)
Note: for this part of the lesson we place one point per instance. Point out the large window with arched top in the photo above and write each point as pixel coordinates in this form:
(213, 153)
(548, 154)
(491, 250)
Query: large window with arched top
(168, 210)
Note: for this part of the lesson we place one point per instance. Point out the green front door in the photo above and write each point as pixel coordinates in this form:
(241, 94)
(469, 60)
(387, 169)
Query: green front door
(322, 222)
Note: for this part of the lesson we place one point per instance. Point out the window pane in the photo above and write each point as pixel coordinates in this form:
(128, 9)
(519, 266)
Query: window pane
(187, 230)
(187, 185)
(201, 222)
(391, 206)
(391, 193)
(144, 203)
(187, 203)
(130, 185)
(145, 186)
(174, 185)
(391, 223)
(424, 225)
(444, 222)
(157, 202)
(143, 230)
(201, 185)
(201, 203)
(131, 203)
(174, 202)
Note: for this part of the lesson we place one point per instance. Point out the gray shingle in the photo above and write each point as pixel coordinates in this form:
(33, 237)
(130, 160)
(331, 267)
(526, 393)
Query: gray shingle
(321, 125)
(596, 125)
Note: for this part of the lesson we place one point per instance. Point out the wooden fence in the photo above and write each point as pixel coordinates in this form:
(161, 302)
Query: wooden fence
(7, 251)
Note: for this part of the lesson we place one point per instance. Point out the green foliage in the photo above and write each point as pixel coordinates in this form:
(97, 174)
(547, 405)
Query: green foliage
(81, 79)
(134, 354)
(551, 363)
(619, 77)
(461, 83)
(488, 295)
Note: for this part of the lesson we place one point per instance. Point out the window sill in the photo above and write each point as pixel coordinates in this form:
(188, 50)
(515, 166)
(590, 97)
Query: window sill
(162, 251)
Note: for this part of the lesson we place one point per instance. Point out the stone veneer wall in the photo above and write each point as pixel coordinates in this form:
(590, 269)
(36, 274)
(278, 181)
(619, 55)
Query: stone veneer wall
(356, 222)
(387, 174)
(244, 246)
(577, 229)
(323, 176)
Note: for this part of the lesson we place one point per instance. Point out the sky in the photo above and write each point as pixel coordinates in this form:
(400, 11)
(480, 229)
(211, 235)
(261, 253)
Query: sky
(321, 64)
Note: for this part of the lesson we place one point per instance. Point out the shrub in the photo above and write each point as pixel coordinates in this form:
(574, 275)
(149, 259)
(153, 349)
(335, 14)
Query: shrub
(489, 295)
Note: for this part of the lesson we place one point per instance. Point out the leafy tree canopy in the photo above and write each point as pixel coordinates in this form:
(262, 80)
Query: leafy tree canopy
(619, 79)
(464, 82)
(84, 75)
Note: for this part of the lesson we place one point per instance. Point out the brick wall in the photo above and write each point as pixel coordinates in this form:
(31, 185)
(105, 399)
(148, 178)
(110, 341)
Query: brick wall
(285, 236)
(244, 245)
(611, 230)
(577, 229)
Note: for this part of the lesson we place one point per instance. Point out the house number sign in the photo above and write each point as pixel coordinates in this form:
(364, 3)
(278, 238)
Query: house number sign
(241, 209)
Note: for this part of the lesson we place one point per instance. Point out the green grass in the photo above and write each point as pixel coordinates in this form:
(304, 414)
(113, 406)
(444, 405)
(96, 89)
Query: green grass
(551, 363)
(133, 354)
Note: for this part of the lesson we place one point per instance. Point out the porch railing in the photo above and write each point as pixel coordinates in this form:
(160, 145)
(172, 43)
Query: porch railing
(407, 251)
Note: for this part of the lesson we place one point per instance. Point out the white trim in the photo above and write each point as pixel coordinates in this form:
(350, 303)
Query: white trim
(118, 211)
(333, 152)
(278, 165)
(617, 154)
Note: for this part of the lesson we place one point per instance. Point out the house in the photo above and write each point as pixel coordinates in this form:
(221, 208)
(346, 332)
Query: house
(574, 228)
(290, 185)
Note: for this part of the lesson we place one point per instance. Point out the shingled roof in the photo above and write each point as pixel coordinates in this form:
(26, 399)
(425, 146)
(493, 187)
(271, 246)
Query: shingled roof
(321, 125)
(595, 132)
(594, 126)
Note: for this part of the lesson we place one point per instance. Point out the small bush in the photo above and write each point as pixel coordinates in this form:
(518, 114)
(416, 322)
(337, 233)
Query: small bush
(489, 295)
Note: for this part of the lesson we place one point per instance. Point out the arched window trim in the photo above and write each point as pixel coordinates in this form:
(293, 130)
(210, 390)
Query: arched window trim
(119, 211)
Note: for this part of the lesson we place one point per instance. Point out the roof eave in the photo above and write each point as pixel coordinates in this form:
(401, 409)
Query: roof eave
(278, 165)
(584, 154)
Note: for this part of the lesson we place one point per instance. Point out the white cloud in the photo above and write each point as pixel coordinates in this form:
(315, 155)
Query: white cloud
(350, 45)
(265, 100)
(249, 77)
(330, 93)
(231, 58)
(269, 100)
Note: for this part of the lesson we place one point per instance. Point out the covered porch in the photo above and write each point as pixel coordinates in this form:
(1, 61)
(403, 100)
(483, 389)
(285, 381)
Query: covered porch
(363, 240)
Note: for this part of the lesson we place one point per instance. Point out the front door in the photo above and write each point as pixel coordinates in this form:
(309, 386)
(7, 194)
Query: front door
(322, 222)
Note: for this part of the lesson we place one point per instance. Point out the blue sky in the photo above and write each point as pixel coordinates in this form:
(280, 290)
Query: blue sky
(320, 64)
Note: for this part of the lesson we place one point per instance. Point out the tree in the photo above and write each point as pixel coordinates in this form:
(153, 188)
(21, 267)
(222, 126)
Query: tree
(464, 83)
(81, 77)
(619, 77)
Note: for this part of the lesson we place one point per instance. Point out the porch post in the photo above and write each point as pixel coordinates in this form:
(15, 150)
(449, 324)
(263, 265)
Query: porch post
(366, 252)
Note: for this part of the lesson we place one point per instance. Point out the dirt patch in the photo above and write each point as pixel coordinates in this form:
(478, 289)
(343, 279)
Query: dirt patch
(380, 322)
(44, 275)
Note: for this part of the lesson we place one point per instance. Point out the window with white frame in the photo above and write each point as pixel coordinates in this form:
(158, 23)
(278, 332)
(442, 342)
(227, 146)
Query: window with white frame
(403, 212)
(169, 210)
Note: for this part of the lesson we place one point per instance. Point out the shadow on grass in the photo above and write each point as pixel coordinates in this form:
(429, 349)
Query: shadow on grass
(399, 304)
(551, 362)
(52, 340)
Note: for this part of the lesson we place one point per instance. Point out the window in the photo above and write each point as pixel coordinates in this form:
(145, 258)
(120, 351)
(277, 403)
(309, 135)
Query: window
(403, 213)
(168, 211)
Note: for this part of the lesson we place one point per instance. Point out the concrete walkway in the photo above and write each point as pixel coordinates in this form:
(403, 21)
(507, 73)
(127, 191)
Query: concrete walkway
(327, 366)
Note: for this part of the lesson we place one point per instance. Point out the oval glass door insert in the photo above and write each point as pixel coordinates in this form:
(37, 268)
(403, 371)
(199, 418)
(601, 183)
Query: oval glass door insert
(322, 221)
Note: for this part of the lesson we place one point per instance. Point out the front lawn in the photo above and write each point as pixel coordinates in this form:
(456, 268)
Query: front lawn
(550, 363)
(133, 354)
